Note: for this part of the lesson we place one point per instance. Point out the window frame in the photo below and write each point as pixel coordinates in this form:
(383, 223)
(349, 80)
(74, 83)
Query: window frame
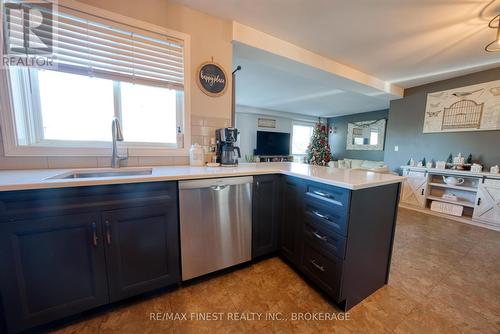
(12, 146)
(299, 123)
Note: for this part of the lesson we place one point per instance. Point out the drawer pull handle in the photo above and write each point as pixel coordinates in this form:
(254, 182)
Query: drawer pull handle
(321, 237)
(478, 201)
(322, 194)
(313, 262)
(94, 234)
(108, 232)
(316, 213)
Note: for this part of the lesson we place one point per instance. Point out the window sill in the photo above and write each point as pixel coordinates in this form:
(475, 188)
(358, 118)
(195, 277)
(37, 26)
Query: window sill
(60, 151)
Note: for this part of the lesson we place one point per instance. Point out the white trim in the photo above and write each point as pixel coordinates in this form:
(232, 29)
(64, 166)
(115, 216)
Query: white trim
(7, 119)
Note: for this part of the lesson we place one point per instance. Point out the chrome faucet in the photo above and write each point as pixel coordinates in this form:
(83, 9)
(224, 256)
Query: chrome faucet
(116, 130)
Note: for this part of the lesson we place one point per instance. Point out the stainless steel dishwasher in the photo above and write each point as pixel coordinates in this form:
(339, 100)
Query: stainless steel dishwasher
(215, 224)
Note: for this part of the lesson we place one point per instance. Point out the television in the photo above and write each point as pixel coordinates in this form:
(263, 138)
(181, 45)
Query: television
(272, 143)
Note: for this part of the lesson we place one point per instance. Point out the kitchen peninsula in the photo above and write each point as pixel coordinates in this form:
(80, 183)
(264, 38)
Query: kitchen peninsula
(73, 240)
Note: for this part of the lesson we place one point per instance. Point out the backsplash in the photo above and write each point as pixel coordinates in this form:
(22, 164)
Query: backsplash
(202, 129)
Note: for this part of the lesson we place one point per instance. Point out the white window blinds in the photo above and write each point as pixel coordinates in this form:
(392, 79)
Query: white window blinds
(89, 45)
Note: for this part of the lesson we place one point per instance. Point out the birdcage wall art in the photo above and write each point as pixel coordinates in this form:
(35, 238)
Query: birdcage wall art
(469, 108)
(465, 114)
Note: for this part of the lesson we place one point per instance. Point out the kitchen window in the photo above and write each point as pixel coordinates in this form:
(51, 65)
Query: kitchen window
(104, 69)
(301, 137)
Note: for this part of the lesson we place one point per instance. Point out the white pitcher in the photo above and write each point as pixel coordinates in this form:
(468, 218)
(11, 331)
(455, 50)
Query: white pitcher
(453, 181)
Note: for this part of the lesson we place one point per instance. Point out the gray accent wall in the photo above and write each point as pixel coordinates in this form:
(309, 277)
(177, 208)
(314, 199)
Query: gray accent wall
(406, 119)
(338, 140)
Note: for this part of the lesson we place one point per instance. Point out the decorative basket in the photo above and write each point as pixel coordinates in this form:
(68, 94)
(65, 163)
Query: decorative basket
(448, 208)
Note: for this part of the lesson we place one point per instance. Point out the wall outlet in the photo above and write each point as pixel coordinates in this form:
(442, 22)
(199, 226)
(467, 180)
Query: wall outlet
(396, 148)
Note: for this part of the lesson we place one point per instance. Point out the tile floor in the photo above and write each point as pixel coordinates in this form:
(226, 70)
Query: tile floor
(445, 278)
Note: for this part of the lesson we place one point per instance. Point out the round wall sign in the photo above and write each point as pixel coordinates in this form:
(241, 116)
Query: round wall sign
(212, 79)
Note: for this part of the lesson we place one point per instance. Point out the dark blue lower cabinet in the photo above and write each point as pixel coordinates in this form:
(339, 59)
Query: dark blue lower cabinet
(51, 268)
(341, 240)
(266, 214)
(64, 251)
(64, 263)
(141, 249)
(292, 219)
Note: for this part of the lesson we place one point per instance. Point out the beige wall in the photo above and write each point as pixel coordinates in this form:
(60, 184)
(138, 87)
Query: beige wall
(210, 37)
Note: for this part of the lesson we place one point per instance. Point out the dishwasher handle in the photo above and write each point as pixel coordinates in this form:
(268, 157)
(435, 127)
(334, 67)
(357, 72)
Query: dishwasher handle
(215, 184)
(219, 187)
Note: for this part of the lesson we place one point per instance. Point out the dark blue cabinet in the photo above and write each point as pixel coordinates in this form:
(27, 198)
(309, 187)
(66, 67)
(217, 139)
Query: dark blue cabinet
(64, 251)
(51, 267)
(141, 249)
(266, 214)
(340, 239)
(292, 222)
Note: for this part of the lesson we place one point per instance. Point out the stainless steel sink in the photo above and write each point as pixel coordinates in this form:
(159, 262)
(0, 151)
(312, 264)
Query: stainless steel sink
(107, 173)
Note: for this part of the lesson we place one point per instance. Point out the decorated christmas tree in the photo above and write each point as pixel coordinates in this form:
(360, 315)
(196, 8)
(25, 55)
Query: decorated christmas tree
(318, 151)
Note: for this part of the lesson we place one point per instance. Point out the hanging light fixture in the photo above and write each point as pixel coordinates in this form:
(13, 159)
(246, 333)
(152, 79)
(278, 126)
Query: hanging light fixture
(495, 45)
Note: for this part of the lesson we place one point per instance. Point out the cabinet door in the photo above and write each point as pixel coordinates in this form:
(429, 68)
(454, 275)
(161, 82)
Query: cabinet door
(51, 268)
(266, 214)
(142, 249)
(414, 191)
(292, 218)
(487, 207)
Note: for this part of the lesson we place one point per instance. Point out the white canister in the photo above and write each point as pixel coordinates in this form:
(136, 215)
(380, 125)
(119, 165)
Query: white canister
(196, 155)
(495, 169)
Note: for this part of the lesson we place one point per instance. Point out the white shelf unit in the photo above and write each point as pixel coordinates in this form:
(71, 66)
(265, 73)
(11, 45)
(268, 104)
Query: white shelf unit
(457, 202)
(436, 184)
(478, 194)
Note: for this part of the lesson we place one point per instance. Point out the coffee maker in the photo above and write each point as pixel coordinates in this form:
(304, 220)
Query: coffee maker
(227, 153)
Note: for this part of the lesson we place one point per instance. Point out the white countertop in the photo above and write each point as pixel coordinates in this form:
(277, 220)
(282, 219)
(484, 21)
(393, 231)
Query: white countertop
(345, 178)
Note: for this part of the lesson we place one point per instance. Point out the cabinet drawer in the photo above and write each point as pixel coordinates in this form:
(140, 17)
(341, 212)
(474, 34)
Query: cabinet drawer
(26, 204)
(321, 237)
(331, 218)
(323, 270)
(332, 196)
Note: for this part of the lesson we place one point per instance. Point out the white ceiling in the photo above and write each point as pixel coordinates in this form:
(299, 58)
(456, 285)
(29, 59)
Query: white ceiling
(407, 42)
(272, 82)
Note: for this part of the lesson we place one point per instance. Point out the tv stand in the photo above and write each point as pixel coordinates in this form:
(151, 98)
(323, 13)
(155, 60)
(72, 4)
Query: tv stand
(275, 158)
